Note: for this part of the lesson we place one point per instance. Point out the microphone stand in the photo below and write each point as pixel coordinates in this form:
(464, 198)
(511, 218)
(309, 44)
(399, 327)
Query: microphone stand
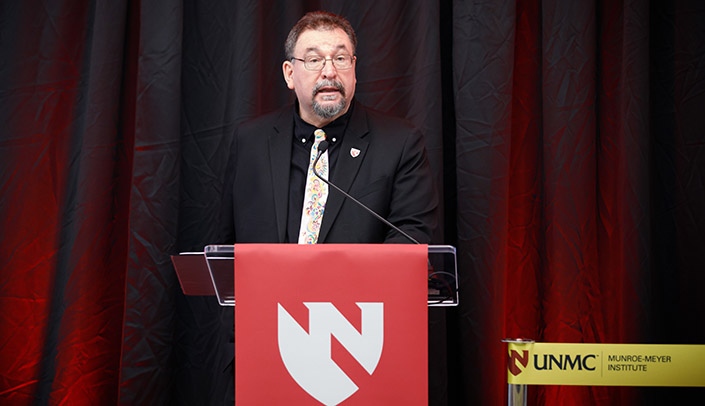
(322, 148)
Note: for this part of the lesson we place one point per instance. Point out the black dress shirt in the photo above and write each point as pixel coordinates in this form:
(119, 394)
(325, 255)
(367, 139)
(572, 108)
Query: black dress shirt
(303, 140)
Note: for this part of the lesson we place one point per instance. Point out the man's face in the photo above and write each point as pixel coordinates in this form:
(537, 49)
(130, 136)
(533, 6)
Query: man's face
(326, 94)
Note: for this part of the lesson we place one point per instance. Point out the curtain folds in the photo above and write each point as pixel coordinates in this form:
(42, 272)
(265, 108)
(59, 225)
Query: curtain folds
(566, 139)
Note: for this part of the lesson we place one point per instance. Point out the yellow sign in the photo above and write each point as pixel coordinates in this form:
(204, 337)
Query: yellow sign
(531, 363)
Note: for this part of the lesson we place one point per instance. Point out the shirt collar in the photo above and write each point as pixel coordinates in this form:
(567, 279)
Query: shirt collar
(303, 131)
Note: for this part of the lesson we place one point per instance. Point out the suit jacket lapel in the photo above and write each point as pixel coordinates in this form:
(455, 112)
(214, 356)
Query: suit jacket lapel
(346, 167)
(280, 145)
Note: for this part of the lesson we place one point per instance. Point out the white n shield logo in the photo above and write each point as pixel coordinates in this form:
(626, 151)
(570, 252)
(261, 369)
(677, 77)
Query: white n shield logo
(307, 356)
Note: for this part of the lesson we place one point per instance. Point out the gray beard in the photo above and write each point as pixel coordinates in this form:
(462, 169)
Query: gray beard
(329, 111)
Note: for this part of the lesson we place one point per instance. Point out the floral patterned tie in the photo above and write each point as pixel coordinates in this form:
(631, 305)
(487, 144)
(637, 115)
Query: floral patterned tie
(316, 194)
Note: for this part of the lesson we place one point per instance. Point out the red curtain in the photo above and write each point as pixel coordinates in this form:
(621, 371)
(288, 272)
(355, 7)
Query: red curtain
(566, 138)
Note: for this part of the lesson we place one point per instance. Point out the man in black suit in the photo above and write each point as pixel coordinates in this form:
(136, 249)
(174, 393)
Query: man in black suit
(379, 160)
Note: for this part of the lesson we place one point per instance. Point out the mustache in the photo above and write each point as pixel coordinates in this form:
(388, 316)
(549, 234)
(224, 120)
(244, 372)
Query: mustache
(329, 83)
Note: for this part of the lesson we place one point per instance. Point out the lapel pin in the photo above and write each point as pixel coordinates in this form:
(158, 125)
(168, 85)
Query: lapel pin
(354, 152)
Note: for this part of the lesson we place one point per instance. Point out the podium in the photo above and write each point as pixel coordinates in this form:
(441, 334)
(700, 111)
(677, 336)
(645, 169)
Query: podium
(327, 323)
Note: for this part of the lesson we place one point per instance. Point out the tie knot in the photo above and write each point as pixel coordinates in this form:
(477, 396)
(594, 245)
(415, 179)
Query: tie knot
(319, 135)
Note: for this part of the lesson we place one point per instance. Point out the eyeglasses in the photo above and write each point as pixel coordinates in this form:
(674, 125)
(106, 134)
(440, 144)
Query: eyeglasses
(316, 62)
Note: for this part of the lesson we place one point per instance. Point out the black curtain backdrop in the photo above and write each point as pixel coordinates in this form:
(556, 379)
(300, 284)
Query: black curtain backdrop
(567, 139)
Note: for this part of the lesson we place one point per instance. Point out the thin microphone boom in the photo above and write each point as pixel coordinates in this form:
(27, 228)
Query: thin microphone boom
(322, 148)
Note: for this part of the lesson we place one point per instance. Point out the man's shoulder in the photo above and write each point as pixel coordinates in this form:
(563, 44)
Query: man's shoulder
(253, 132)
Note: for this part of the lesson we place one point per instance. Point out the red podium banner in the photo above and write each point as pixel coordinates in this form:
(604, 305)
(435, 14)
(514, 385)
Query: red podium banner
(331, 324)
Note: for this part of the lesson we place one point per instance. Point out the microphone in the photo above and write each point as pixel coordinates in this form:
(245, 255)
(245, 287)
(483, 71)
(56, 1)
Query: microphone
(322, 148)
(435, 278)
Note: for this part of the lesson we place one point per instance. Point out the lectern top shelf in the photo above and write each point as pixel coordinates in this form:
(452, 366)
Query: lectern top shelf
(211, 272)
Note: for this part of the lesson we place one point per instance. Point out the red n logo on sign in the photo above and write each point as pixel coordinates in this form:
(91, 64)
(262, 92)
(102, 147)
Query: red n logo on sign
(331, 323)
(515, 358)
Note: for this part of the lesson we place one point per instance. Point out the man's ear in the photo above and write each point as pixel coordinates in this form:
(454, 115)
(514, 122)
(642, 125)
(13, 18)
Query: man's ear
(288, 71)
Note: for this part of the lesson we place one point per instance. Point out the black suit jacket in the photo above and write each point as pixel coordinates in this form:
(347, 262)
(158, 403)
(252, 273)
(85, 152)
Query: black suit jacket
(391, 175)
